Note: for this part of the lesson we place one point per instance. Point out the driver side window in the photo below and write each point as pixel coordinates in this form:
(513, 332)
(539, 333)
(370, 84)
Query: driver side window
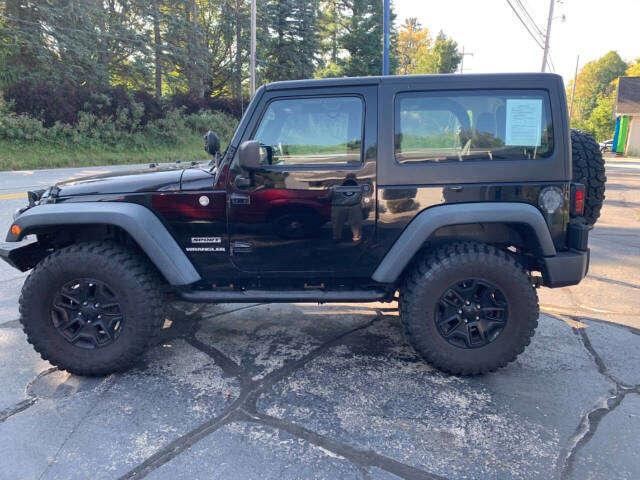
(312, 131)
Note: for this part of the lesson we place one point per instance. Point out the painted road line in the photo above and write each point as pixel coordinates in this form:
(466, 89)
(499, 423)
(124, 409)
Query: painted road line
(621, 160)
(623, 165)
(9, 196)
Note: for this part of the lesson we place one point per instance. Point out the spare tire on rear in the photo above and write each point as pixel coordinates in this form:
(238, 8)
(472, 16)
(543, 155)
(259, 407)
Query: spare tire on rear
(588, 169)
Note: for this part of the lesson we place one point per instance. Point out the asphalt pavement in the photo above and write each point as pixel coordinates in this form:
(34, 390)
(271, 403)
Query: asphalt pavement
(267, 391)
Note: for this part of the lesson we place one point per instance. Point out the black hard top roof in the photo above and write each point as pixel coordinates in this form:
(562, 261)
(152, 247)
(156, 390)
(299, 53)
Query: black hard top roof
(376, 80)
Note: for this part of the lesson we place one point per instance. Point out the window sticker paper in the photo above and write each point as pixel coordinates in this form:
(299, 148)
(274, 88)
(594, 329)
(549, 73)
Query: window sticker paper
(524, 122)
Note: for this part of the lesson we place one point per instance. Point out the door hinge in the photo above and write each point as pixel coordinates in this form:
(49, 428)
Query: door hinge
(240, 199)
(241, 247)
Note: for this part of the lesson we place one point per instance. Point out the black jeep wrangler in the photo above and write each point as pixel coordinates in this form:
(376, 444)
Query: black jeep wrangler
(453, 194)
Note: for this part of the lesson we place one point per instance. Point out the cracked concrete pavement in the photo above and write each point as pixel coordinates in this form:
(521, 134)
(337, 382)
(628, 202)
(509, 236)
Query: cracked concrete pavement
(334, 391)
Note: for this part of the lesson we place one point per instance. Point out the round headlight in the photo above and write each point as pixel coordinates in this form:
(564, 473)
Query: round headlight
(551, 199)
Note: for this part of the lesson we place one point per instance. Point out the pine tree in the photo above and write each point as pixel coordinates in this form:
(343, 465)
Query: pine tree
(331, 27)
(362, 38)
(290, 39)
(200, 38)
(92, 43)
(200, 47)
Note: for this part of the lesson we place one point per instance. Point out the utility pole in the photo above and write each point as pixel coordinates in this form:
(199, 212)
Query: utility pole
(238, 79)
(573, 89)
(385, 27)
(547, 36)
(462, 59)
(252, 83)
(157, 44)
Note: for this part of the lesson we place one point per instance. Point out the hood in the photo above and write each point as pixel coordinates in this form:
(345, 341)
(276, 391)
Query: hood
(150, 179)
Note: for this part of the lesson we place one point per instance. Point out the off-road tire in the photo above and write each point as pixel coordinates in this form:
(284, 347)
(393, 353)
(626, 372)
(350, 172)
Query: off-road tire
(588, 169)
(127, 274)
(434, 273)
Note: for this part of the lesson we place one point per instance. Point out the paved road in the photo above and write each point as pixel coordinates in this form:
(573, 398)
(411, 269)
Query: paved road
(301, 391)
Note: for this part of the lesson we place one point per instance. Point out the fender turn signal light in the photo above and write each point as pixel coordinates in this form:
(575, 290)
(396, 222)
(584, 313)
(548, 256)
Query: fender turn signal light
(15, 229)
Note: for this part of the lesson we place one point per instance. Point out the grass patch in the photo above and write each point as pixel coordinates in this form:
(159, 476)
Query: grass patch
(26, 144)
(20, 156)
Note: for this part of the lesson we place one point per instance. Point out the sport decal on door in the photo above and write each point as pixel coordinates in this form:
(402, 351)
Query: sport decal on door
(206, 240)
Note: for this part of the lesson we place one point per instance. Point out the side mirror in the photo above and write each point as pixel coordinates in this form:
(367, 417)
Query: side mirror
(211, 143)
(249, 155)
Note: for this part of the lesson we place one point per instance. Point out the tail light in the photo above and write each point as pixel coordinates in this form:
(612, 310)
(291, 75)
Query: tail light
(577, 199)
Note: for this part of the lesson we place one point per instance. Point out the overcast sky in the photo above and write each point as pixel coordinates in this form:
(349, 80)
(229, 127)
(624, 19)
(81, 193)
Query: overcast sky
(499, 43)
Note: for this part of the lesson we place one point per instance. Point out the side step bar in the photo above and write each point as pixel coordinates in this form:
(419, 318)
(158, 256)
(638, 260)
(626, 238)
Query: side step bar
(286, 296)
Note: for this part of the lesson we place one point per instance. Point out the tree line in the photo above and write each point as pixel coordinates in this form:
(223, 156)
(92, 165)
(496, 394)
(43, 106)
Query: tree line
(107, 81)
(60, 57)
(596, 88)
(200, 48)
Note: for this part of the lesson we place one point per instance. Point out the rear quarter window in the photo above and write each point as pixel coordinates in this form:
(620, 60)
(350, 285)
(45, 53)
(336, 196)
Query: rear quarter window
(465, 126)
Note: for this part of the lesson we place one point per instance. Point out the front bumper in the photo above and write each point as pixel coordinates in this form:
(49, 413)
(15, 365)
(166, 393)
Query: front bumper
(20, 255)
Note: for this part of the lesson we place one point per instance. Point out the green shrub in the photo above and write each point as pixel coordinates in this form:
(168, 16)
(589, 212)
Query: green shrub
(221, 123)
(123, 133)
(170, 130)
(20, 128)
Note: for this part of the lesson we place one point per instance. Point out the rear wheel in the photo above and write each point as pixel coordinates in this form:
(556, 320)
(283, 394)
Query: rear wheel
(91, 308)
(468, 308)
(588, 169)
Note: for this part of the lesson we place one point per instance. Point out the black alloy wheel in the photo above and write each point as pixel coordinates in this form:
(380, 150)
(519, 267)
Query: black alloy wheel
(92, 308)
(87, 313)
(471, 313)
(468, 308)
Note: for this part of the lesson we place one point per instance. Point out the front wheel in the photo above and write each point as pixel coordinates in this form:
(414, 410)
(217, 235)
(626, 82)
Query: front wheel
(91, 308)
(468, 308)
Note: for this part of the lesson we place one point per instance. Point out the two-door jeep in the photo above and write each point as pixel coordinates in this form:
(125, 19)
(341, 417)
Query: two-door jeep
(453, 194)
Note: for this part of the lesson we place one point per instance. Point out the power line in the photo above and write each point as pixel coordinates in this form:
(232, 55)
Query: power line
(528, 19)
(525, 25)
(547, 61)
(532, 22)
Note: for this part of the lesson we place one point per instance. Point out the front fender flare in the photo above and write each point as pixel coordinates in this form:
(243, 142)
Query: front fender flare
(138, 221)
(431, 219)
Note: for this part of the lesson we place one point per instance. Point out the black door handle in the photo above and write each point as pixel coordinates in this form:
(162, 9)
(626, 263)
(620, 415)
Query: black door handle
(365, 187)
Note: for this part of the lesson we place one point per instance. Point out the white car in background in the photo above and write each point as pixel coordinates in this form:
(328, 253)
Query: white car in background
(606, 146)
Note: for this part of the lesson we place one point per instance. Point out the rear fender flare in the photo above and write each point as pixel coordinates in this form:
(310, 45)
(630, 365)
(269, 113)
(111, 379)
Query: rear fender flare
(428, 221)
